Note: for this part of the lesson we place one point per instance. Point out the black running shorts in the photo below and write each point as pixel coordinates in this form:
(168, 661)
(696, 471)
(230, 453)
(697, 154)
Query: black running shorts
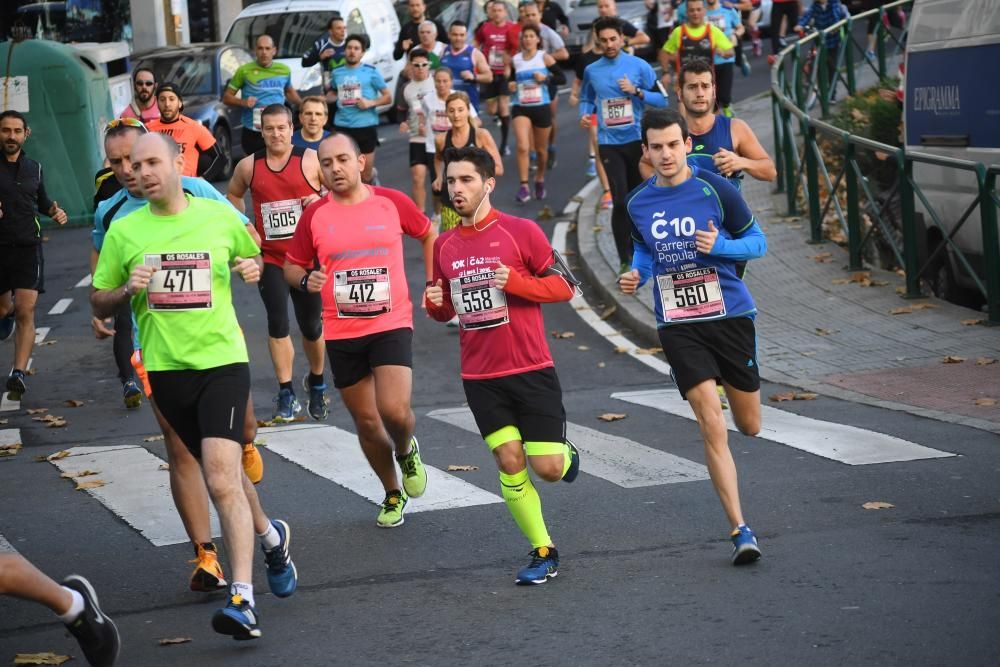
(540, 115)
(495, 88)
(352, 359)
(367, 137)
(201, 404)
(530, 401)
(718, 350)
(419, 155)
(21, 268)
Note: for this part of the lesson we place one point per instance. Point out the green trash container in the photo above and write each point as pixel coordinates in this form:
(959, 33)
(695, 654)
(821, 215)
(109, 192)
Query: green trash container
(65, 97)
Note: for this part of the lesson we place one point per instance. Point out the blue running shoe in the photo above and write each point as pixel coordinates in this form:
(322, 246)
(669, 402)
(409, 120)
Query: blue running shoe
(132, 394)
(317, 405)
(544, 565)
(282, 576)
(16, 386)
(7, 326)
(288, 406)
(574, 462)
(745, 549)
(238, 619)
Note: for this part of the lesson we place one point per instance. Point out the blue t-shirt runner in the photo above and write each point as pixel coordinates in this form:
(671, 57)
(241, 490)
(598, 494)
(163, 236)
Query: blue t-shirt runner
(353, 83)
(692, 286)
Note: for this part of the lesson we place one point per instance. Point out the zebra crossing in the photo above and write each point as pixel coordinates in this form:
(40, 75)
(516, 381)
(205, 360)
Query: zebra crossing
(135, 482)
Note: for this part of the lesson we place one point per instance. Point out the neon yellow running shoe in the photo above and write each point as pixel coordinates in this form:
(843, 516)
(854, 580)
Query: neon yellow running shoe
(390, 513)
(414, 474)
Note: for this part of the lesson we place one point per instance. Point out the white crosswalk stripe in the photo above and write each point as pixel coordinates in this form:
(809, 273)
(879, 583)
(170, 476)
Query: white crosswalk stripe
(616, 459)
(137, 489)
(5, 546)
(85, 281)
(335, 454)
(839, 442)
(60, 306)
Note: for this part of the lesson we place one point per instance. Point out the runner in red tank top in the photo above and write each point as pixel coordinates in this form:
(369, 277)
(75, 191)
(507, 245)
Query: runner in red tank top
(495, 271)
(283, 180)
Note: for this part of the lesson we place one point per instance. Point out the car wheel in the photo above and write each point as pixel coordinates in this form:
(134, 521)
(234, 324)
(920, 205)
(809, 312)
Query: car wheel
(942, 279)
(225, 141)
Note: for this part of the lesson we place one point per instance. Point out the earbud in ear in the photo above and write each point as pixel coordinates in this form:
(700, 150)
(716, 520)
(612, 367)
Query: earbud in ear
(489, 188)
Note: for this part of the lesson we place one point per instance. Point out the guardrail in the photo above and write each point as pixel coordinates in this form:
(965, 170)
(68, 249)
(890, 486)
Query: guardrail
(799, 161)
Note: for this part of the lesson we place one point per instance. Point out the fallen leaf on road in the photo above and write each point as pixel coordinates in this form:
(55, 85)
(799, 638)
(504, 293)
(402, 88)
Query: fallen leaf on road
(840, 281)
(79, 473)
(31, 371)
(48, 342)
(58, 422)
(900, 290)
(72, 403)
(786, 396)
(986, 402)
(90, 484)
(583, 348)
(58, 455)
(877, 283)
(462, 468)
(10, 450)
(40, 659)
(612, 416)
(952, 360)
(621, 350)
(806, 396)
(572, 227)
(545, 213)
(563, 334)
(164, 466)
(985, 361)
(877, 505)
(861, 276)
(902, 310)
(648, 350)
(608, 312)
(37, 411)
(972, 323)
(923, 306)
(820, 331)
(174, 640)
(598, 228)
(823, 257)
(153, 438)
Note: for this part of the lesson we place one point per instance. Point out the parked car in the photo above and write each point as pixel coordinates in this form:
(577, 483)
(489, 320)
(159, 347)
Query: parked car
(202, 71)
(296, 24)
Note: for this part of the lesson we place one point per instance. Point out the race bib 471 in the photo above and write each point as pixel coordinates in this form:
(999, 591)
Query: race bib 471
(182, 281)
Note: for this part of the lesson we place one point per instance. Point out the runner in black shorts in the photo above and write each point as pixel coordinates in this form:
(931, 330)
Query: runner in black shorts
(704, 312)
(354, 235)
(173, 260)
(509, 270)
(22, 196)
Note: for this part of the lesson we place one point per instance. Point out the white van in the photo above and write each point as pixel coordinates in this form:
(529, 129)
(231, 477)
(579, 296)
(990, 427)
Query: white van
(952, 109)
(296, 24)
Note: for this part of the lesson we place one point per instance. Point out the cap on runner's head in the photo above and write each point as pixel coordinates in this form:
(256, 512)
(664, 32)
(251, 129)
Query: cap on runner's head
(170, 87)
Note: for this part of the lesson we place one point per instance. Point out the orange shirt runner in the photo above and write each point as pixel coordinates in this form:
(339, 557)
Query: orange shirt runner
(189, 134)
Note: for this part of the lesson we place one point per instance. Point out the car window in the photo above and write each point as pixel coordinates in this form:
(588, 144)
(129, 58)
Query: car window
(293, 32)
(355, 23)
(229, 61)
(191, 73)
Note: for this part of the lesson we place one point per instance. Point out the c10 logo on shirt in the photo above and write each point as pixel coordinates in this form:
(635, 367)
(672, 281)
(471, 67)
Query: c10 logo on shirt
(681, 227)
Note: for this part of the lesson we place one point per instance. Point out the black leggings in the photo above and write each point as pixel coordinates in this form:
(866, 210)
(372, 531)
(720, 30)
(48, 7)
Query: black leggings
(621, 162)
(123, 343)
(724, 84)
(274, 291)
(778, 10)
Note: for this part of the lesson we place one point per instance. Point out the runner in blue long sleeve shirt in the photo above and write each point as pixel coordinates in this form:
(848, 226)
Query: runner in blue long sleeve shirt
(617, 89)
(690, 227)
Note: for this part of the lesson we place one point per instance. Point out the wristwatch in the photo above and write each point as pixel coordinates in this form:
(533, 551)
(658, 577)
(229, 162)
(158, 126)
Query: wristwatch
(305, 279)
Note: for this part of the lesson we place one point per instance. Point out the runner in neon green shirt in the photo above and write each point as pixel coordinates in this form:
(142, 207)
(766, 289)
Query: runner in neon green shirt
(172, 258)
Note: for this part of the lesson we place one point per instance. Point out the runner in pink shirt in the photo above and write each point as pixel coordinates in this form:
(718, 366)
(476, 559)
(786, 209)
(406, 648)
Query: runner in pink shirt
(354, 235)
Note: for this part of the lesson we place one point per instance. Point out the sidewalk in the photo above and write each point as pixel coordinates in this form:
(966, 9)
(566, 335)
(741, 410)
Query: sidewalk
(817, 332)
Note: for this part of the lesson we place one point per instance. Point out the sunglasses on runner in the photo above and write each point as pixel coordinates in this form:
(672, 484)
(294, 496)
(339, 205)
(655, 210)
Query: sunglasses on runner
(145, 84)
(130, 122)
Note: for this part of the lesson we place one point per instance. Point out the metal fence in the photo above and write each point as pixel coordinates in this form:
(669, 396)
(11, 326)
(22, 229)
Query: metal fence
(800, 78)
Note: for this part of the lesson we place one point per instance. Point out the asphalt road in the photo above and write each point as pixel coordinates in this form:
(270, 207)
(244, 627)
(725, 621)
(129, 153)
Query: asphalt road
(645, 575)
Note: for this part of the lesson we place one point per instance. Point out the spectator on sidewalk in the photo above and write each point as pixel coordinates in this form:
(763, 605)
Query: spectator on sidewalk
(821, 15)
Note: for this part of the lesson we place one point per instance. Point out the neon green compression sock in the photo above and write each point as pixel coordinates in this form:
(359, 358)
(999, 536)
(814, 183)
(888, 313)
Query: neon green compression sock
(525, 506)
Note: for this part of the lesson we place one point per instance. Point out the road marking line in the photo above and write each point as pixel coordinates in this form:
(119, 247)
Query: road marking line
(85, 281)
(621, 461)
(335, 454)
(60, 307)
(137, 490)
(41, 333)
(838, 442)
(5, 546)
(10, 436)
(7, 405)
(574, 204)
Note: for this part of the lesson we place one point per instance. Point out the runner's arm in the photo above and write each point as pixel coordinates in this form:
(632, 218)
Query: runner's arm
(427, 241)
(754, 159)
(748, 240)
(639, 39)
(725, 47)
(446, 310)
(541, 289)
(483, 72)
(292, 95)
(642, 261)
(485, 140)
(587, 96)
(311, 57)
(213, 161)
(239, 182)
